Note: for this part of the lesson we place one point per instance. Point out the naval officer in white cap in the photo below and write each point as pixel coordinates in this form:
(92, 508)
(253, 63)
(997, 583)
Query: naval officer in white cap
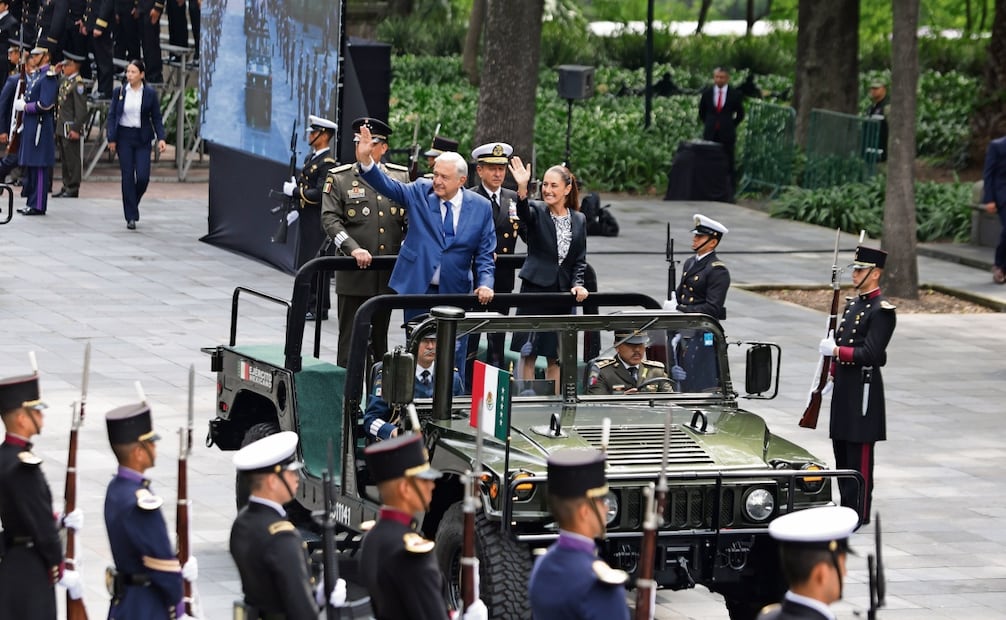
(813, 545)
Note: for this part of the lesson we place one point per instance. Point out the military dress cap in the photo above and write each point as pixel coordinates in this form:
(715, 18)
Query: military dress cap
(399, 457)
(869, 257)
(74, 57)
(708, 226)
(493, 153)
(827, 528)
(631, 336)
(441, 145)
(316, 122)
(577, 473)
(16, 43)
(271, 454)
(411, 325)
(378, 128)
(18, 392)
(130, 423)
(39, 49)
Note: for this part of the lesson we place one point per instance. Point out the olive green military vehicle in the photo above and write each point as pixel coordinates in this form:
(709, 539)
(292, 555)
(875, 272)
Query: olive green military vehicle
(729, 475)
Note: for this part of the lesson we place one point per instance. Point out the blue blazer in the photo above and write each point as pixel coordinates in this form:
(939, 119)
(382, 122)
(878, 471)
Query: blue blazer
(994, 176)
(150, 114)
(425, 247)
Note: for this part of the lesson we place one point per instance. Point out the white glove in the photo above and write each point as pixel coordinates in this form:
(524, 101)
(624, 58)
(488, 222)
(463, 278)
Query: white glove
(289, 186)
(828, 387)
(476, 611)
(71, 581)
(338, 596)
(74, 520)
(827, 346)
(292, 216)
(19, 104)
(190, 572)
(672, 303)
(678, 373)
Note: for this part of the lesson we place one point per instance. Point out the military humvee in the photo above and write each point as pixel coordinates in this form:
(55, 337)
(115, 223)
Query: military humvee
(729, 475)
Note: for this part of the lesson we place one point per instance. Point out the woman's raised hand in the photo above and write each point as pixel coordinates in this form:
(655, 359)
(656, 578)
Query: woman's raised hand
(521, 174)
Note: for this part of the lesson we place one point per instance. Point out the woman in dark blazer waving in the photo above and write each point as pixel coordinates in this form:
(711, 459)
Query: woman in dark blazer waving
(134, 120)
(556, 256)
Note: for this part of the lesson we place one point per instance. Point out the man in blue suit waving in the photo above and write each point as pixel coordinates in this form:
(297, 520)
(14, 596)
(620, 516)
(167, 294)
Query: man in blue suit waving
(450, 228)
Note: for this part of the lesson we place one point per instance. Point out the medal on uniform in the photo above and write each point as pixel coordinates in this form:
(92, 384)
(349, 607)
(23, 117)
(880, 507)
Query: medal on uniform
(366, 211)
(357, 193)
(512, 209)
(394, 210)
(351, 213)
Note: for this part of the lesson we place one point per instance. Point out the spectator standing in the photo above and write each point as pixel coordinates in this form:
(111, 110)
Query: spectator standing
(71, 115)
(994, 199)
(721, 110)
(880, 106)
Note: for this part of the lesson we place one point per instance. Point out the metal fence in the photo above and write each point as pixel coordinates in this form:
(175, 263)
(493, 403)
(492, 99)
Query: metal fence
(769, 146)
(841, 148)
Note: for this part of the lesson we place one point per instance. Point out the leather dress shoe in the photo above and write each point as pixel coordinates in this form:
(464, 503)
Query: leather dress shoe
(30, 211)
(310, 316)
(131, 225)
(60, 194)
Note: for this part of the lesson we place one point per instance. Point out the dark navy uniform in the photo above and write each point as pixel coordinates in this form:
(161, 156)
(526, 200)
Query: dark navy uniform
(611, 376)
(32, 563)
(355, 216)
(377, 422)
(858, 416)
(791, 610)
(9, 29)
(271, 557)
(310, 183)
(38, 147)
(704, 285)
(879, 110)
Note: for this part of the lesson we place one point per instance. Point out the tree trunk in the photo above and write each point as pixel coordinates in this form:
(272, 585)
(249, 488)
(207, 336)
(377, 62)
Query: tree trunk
(510, 74)
(901, 276)
(703, 12)
(470, 55)
(827, 62)
(750, 17)
(989, 118)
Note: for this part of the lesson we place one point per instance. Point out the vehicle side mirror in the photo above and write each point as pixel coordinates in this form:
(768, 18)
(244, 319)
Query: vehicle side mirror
(758, 372)
(398, 377)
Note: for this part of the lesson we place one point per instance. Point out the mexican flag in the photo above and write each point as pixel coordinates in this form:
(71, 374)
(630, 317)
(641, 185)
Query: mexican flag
(491, 400)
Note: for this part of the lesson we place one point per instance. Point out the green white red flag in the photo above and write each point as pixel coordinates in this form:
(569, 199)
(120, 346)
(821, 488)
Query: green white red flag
(490, 400)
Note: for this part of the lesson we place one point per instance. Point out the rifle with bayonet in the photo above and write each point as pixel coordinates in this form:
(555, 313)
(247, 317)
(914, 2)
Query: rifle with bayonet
(469, 557)
(289, 202)
(813, 409)
(182, 510)
(327, 522)
(75, 609)
(17, 118)
(656, 499)
(414, 153)
(672, 269)
(875, 566)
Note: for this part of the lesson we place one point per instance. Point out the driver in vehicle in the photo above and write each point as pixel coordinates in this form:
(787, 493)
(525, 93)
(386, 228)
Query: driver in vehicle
(629, 372)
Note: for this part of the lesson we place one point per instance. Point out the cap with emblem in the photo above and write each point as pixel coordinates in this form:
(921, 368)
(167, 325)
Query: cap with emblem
(493, 153)
(411, 325)
(399, 457)
(708, 226)
(869, 257)
(827, 528)
(78, 58)
(631, 336)
(271, 454)
(577, 473)
(318, 123)
(378, 129)
(441, 145)
(18, 392)
(130, 423)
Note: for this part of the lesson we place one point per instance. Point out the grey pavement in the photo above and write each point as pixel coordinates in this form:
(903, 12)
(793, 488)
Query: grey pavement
(148, 299)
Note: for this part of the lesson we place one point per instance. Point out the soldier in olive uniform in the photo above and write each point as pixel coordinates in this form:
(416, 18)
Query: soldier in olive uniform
(71, 115)
(490, 165)
(270, 553)
(628, 372)
(858, 350)
(307, 190)
(363, 224)
(33, 560)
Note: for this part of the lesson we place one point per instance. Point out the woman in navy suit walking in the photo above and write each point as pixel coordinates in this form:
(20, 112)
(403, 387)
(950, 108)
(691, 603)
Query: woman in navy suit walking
(556, 256)
(134, 120)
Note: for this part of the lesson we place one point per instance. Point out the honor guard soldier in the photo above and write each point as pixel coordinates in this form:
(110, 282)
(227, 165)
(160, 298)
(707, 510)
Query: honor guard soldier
(270, 553)
(37, 152)
(440, 145)
(8, 29)
(859, 350)
(629, 371)
(813, 546)
(363, 224)
(306, 190)
(146, 581)
(71, 115)
(570, 582)
(32, 552)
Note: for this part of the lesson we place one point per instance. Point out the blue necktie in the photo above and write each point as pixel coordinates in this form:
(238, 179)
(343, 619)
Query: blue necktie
(449, 221)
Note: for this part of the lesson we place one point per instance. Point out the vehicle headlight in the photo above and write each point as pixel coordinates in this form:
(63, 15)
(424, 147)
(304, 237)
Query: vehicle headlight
(611, 504)
(811, 484)
(759, 504)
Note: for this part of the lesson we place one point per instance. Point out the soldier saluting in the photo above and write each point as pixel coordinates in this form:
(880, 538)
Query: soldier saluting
(33, 557)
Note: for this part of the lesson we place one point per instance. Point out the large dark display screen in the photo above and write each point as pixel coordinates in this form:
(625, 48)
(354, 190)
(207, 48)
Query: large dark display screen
(266, 64)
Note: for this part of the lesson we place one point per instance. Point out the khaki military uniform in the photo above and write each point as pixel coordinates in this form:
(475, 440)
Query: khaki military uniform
(71, 115)
(610, 376)
(355, 216)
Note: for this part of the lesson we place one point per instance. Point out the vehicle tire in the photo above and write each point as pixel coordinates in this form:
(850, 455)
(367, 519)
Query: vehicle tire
(504, 565)
(256, 432)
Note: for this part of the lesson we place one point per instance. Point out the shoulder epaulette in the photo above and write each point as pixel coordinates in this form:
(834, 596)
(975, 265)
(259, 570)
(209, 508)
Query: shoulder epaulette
(342, 168)
(330, 160)
(281, 526)
(146, 500)
(717, 263)
(397, 167)
(27, 458)
(886, 305)
(608, 361)
(609, 575)
(653, 363)
(414, 543)
(51, 72)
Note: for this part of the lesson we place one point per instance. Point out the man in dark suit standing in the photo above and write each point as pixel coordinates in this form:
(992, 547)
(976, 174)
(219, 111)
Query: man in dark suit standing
(721, 110)
(994, 199)
(8, 30)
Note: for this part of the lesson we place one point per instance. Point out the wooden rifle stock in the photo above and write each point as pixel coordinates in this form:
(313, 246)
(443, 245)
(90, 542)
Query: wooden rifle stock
(469, 561)
(75, 609)
(646, 587)
(813, 410)
(17, 118)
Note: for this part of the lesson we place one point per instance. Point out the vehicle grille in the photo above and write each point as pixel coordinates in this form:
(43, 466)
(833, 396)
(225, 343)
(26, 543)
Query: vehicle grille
(693, 507)
(643, 445)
